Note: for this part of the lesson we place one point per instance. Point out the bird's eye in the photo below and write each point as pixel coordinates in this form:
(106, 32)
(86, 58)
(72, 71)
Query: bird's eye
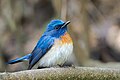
(57, 27)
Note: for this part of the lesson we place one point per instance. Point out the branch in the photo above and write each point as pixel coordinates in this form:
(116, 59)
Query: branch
(78, 73)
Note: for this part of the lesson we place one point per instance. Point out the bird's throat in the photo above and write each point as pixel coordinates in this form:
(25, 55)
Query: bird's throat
(66, 39)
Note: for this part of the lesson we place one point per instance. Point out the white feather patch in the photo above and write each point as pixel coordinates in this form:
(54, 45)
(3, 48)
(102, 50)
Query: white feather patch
(57, 55)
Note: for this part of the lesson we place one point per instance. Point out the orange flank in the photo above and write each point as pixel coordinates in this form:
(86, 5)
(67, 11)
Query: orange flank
(66, 38)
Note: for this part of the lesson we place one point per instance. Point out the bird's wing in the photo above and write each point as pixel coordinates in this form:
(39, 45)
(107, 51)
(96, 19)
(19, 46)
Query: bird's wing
(43, 45)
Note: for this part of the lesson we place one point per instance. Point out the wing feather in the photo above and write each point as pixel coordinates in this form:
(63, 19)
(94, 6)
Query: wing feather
(43, 45)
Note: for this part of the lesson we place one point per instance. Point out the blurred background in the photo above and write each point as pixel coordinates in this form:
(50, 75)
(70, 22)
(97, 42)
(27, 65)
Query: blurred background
(94, 28)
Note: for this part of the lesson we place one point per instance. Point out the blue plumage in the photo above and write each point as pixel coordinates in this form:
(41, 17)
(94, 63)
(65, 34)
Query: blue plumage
(55, 29)
(43, 45)
(26, 57)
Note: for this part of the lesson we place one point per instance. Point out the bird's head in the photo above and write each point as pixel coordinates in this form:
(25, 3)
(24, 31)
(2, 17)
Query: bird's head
(57, 28)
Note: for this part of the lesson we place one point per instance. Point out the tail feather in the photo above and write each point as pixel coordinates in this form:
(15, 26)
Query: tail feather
(26, 57)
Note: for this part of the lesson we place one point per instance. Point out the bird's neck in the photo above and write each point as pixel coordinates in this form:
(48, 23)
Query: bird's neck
(66, 38)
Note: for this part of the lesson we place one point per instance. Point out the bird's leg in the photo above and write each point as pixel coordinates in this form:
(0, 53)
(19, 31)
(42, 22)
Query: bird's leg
(68, 65)
(60, 65)
(57, 66)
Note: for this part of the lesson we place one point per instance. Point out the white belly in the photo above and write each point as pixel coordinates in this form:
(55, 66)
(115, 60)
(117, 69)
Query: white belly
(57, 55)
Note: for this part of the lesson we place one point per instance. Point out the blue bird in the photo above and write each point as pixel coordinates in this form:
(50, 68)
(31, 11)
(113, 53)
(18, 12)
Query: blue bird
(53, 48)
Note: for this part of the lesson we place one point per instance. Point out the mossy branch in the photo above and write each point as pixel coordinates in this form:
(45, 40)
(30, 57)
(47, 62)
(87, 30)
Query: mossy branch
(78, 73)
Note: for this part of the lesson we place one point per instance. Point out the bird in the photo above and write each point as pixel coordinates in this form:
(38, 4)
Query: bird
(54, 47)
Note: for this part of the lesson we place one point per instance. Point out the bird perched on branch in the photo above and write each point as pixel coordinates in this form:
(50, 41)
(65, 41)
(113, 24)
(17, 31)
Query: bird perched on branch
(53, 48)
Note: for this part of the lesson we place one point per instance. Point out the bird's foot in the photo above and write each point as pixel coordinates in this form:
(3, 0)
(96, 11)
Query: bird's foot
(68, 66)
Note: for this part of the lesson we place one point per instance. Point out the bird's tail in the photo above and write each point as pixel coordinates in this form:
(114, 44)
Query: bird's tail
(26, 57)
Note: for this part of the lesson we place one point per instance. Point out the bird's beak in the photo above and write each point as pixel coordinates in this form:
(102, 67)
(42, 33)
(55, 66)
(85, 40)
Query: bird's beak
(66, 23)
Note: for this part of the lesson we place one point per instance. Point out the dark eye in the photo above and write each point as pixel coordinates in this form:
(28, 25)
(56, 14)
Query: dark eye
(57, 27)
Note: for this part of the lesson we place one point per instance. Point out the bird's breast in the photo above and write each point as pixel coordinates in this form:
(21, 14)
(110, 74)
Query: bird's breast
(59, 52)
